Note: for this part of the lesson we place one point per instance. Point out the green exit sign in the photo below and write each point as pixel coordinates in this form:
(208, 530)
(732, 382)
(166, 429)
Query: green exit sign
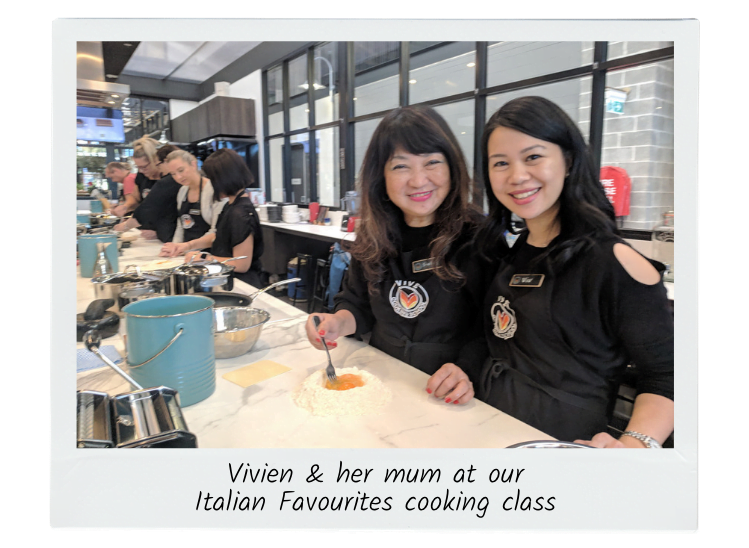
(615, 99)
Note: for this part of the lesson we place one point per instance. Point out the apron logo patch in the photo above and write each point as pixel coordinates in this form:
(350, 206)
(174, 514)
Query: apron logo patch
(408, 299)
(187, 221)
(503, 318)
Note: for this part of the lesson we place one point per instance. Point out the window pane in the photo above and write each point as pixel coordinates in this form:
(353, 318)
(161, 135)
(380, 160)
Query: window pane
(459, 116)
(443, 71)
(573, 96)
(638, 136)
(275, 148)
(131, 119)
(363, 132)
(623, 49)
(376, 80)
(275, 86)
(275, 123)
(514, 61)
(299, 109)
(326, 84)
(299, 156)
(299, 117)
(328, 171)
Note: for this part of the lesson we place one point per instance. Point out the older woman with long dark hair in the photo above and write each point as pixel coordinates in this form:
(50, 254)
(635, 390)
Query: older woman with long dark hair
(413, 281)
(572, 305)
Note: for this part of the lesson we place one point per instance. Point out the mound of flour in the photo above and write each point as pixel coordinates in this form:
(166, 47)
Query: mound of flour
(363, 400)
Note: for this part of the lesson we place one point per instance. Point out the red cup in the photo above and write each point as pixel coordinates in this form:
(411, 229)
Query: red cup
(314, 209)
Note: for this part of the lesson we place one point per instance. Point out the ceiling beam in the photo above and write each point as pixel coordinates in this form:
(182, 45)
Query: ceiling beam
(161, 89)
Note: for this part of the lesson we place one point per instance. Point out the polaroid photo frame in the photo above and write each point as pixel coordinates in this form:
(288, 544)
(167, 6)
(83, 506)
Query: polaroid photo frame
(478, 489)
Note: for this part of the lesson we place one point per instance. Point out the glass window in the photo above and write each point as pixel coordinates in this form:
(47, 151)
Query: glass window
(326, 84)
(275, 86)
(442, 71)
(514, 61)
(131, 119)
(275, 122)
(617, 50)
(460, 116)
(573, 96)
(275, 148)
(376, 80)
(299, 109)
(299, 156)
(363, 132)
(638, 136)
(328, 167)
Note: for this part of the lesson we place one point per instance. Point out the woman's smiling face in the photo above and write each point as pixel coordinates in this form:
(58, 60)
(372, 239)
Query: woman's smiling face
(526, 174)
(417, 184)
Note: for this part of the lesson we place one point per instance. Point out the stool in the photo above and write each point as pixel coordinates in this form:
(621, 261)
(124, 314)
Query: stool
(322, 280)
(304, 267)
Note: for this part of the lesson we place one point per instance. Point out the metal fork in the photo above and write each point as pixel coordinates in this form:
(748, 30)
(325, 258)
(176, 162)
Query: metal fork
(330, 370)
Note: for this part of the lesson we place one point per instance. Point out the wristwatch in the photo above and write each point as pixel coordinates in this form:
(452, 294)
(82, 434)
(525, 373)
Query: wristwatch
(649, 442)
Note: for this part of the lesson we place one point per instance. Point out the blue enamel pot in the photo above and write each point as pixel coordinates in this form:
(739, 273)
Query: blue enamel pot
(170, 343)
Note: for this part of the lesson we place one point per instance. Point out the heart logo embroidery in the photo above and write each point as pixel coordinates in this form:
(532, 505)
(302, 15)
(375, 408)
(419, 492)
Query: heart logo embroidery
(407, 301)
(504, 319)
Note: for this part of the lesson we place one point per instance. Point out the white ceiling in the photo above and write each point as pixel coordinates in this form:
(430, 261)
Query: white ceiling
(192, 62)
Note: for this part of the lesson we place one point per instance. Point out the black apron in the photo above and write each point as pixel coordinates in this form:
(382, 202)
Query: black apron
(193, 224)
(512, 380)
(418, 306)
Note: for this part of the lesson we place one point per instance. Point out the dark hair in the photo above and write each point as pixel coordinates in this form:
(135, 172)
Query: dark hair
(417, 130)
(228, 173)
(165, 151)
(584, 211)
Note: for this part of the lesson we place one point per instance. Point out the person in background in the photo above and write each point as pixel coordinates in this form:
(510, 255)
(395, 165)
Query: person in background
(145, 159)
(413, 281)
(238, 231)
(571, 305)
(156, 215)
(120, 174)
(197, 210)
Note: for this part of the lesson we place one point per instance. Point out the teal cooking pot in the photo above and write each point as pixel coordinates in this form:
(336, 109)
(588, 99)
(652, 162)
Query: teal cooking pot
(169, 342)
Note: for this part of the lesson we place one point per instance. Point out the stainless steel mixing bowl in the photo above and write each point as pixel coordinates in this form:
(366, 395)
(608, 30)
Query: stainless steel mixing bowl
(237, 329)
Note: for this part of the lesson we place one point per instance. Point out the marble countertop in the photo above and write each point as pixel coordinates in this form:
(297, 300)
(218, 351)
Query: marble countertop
(264, 415)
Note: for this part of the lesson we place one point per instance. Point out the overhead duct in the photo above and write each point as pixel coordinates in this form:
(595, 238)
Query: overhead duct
(92, 88)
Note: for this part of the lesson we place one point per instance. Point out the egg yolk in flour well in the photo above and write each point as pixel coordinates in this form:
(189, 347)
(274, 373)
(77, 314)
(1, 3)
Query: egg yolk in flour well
(345, 382)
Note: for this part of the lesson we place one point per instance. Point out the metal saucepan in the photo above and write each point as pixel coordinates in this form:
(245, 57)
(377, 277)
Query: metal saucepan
(548, 444)
(110, 286)
(203, 277)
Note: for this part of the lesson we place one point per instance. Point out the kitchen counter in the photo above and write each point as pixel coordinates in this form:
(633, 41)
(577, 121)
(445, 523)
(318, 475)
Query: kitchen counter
(265, 415)
(317, 232)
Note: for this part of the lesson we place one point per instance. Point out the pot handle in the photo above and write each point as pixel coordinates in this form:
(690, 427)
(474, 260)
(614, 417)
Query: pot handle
(181, 330)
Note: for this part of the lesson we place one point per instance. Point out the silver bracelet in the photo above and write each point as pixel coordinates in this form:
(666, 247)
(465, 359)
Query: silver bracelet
(649, 442)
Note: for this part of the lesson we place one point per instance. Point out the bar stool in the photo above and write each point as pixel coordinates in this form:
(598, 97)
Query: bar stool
(304, 266)
(322, 280)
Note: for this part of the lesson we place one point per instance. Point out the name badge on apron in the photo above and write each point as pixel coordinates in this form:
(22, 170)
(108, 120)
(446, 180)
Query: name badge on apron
(527, 280)
(423, 265)
(187, 221)
(194, 212)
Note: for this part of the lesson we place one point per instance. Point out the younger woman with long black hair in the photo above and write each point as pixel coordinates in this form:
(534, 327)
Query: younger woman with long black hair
(571, 305)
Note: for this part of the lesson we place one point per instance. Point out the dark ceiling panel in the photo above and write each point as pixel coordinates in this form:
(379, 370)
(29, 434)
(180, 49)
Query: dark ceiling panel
(116, 55)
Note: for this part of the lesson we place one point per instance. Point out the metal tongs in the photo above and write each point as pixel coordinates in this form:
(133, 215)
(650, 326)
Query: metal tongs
(330, 370)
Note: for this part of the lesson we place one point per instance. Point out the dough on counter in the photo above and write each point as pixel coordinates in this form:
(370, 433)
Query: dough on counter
(365, 400)
(161, 264)
(255, 373)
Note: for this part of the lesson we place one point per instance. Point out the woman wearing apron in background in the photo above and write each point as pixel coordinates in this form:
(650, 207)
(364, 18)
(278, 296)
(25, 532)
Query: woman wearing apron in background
(571, 305)
(413, 281)
(197, 210)
(238, 232)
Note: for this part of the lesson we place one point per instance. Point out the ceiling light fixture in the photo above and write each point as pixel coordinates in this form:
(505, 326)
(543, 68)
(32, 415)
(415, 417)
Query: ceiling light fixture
(112, 76)
(112, 102)
(128, 44)
(412, 81)
(471, 65)
(115, 95)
